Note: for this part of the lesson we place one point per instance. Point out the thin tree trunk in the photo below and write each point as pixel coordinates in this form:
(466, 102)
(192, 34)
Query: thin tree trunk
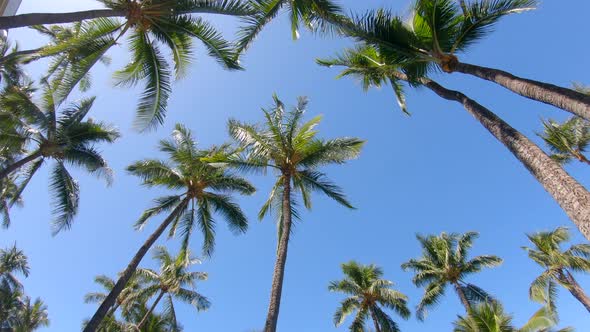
(567, 99)
(279, 270)
(374, 317)
(144, 319)
(25, 20)
(128, 273)
(462, 297)
(18, 164)
(573, 198)
(576, 290)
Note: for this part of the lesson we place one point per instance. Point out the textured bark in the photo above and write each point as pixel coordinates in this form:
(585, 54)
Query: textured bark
(567, 99)
(110, 300)
(149, 312)
(18, 164)
(377, 328)
(25, 20)
(573, 198)
(575, 289)
(462, 297)
(279, 270)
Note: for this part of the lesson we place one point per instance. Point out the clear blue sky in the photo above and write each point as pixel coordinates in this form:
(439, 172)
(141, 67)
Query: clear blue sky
(438, 170)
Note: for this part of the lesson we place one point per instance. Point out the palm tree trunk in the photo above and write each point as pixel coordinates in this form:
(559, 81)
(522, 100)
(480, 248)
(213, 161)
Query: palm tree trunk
(18, 164)
(575, 289)
(279, 270)
(130, 270)
(25, 20)
(462, 296)
(567, 99)
(375, 321)
(144, 319)
(573, 198)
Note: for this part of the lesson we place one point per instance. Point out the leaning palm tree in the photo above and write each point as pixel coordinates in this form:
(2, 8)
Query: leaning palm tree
(368, 294)
(490, 317)
(174, 281)
(203, 188)
(445, 262)
(65, 138)
(568, 140)
(290, 147)
(375, 69)
(12, 261)
(149, 25)
(559, 266)
(439, 29)
(31, 316)
(129, 297)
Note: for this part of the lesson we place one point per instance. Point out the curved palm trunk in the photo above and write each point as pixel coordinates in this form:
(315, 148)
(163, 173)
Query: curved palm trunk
(110, 300)
(147, 314)
(375, 322)
(18, 164)
(462, 297)
(25, 20)
(575, 289)
(573, 198)
(567, 99)
(279, 270)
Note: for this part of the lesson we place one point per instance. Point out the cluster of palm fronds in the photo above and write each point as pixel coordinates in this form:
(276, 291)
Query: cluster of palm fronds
(445, 263)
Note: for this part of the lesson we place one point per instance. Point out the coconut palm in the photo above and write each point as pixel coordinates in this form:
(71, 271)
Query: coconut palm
(490, 317)
(149, 25)
(204, 188)
(368, 295)
(568, 140)
(559, 266)
(444, 262)
(12, 261)
(174, 281)
(67, 139)
(290, 147)
(373, 69)
(313, 14)
(439, 29)
(31, 316)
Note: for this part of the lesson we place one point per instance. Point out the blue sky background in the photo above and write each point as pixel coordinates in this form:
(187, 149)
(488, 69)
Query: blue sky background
(438, 170)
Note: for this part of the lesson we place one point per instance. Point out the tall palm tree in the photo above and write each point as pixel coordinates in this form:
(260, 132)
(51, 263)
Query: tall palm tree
(490, 317)
(439, 29)
(174, 281)
(12, 261)
(559, 266)
(290, 147)
(149, 25)
(313, 14)
(204, 188)
(568, 140)
(368, 294)
(374, 69)
(127, 300)
(65, 138)
(445, 262)
(31, 316)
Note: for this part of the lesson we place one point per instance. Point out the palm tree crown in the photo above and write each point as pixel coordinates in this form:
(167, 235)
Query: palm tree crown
(568, 140)
(204, 188)
(367, 295)
(445, 261)
(12, 260)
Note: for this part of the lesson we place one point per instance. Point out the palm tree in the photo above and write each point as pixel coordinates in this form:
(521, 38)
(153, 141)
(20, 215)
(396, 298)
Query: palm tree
(149, 26)
(374, 69)
(559, 266)
(31, 316)
(313, 14)
(172, 281)
(439, 29)
(368, 294)
(290, 147)
(567, 140)
(444, 262)
(65, 139)
(490, 317)
(204, 189)
(13, 260)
